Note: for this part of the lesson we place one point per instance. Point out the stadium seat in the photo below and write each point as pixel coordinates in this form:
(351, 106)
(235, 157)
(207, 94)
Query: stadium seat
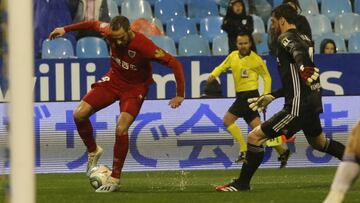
(276, 3)
(113, 8)
(167, 9)
(119, 2)
(91, 47)
(179, 27)
(338, 39)
(194, 45)
(347, 23)
(263, 9)
(165, 43)
(332, 9)
(57, 48)
(211, 27)
(198, 9)
(357, 6)
(319, 24)
(259, 26)
(220, 45)
(134, 9)
(354, 42)
(152, 2)
(309, 7)
(262, 47)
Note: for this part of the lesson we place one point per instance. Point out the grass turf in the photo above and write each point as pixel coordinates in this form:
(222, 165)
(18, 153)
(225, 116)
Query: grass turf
(269, 185)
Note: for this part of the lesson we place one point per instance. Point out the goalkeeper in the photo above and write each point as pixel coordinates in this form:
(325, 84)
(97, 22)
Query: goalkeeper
(246, 66)
(302, 92)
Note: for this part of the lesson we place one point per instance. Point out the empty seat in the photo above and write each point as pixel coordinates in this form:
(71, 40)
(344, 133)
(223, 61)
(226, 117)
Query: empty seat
(113, 8)
(57, 48)
(263, 9)
(309, 7)
(194, 45)
(220, 45)
(261, 42)
(354, 42)
(167, 9)
(211, 27)
(165, 43)
(275, 3)
(332, 8)
(357, 6)
(198, 9)
(339, 41)
(179, 27)
(134, 9)
(259, 26)
(319, 24)
(91, 47)
(119, 2)
(347, 23)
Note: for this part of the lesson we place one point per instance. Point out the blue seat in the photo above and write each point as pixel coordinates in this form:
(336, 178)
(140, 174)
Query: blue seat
(113, 8)
(211, 27)
(167, 9)
(275, 3)
(179, 27)
(354, 42)
(263, 9)
(319, 24)
(134, 9)
(194, 45)
(119, 2)
(91, 47)
(57, 48)
(347, 23)
(332, 9)
(262, 48)
(198, 9)
(220, 45)
(339, 41)
(259, 26)
(309, 7)
(152, 2)
(165, 43)
(357, 6)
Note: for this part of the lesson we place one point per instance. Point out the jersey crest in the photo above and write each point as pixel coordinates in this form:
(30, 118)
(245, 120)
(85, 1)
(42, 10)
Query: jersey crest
(131, 53)
(159, 53)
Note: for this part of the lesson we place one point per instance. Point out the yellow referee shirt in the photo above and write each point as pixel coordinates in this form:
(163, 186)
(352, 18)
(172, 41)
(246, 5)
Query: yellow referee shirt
(245, 71)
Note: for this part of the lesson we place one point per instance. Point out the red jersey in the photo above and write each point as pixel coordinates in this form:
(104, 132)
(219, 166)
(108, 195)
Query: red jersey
(131, 65)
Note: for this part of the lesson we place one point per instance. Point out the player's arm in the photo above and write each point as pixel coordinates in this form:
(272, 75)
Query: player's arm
(85, 25)
(301, 55)
(220, 69)
(155, 53)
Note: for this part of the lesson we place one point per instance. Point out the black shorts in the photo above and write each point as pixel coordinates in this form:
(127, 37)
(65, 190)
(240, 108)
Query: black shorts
(240, 107)
(283, 123)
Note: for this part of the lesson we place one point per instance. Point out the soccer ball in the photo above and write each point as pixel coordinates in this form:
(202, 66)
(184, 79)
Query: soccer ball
(99, 175)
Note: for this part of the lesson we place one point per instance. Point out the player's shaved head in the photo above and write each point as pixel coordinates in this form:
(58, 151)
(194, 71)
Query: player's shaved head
(119, 22)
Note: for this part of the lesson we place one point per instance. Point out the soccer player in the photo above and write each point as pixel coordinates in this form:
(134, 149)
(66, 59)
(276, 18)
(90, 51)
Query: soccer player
(246, 66)
(302, 91)
(348, 170)
(127, 80)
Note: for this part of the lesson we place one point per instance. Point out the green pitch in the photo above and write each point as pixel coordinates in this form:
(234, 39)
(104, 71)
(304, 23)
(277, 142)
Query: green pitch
(302, 185)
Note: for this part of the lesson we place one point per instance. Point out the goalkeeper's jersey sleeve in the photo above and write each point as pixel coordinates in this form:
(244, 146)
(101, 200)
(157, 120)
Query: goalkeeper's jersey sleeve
(245, 71)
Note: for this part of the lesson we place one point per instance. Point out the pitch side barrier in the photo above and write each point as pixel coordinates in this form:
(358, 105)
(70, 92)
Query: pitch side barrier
(69, 79)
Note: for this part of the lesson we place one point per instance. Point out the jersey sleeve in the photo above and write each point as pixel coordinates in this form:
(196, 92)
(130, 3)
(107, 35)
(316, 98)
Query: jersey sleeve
(264, 73)
(155, 53)
(102, 27)
(297, 49)
(222, 67)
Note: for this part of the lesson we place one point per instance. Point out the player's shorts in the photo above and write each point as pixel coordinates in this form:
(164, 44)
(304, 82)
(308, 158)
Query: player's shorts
(105, 92)
(240, 107)
(284, 123)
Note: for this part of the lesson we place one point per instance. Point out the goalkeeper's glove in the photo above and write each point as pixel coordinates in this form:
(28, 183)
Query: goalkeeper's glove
(309, 74)
(260, 103)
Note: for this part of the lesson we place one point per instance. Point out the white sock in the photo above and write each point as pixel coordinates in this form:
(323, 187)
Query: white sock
(345, 176)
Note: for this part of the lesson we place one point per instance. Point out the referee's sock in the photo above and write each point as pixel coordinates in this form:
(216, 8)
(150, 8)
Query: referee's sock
(334, 148)
(254, 157)
(235, 131)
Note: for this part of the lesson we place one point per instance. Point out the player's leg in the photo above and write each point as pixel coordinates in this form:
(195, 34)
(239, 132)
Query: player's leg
(348, 170)
(229, 122)
(311, 126)
(98, 98)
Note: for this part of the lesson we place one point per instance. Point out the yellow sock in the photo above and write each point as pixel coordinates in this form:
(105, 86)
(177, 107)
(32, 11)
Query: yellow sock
(280, 150)
(236, 133)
